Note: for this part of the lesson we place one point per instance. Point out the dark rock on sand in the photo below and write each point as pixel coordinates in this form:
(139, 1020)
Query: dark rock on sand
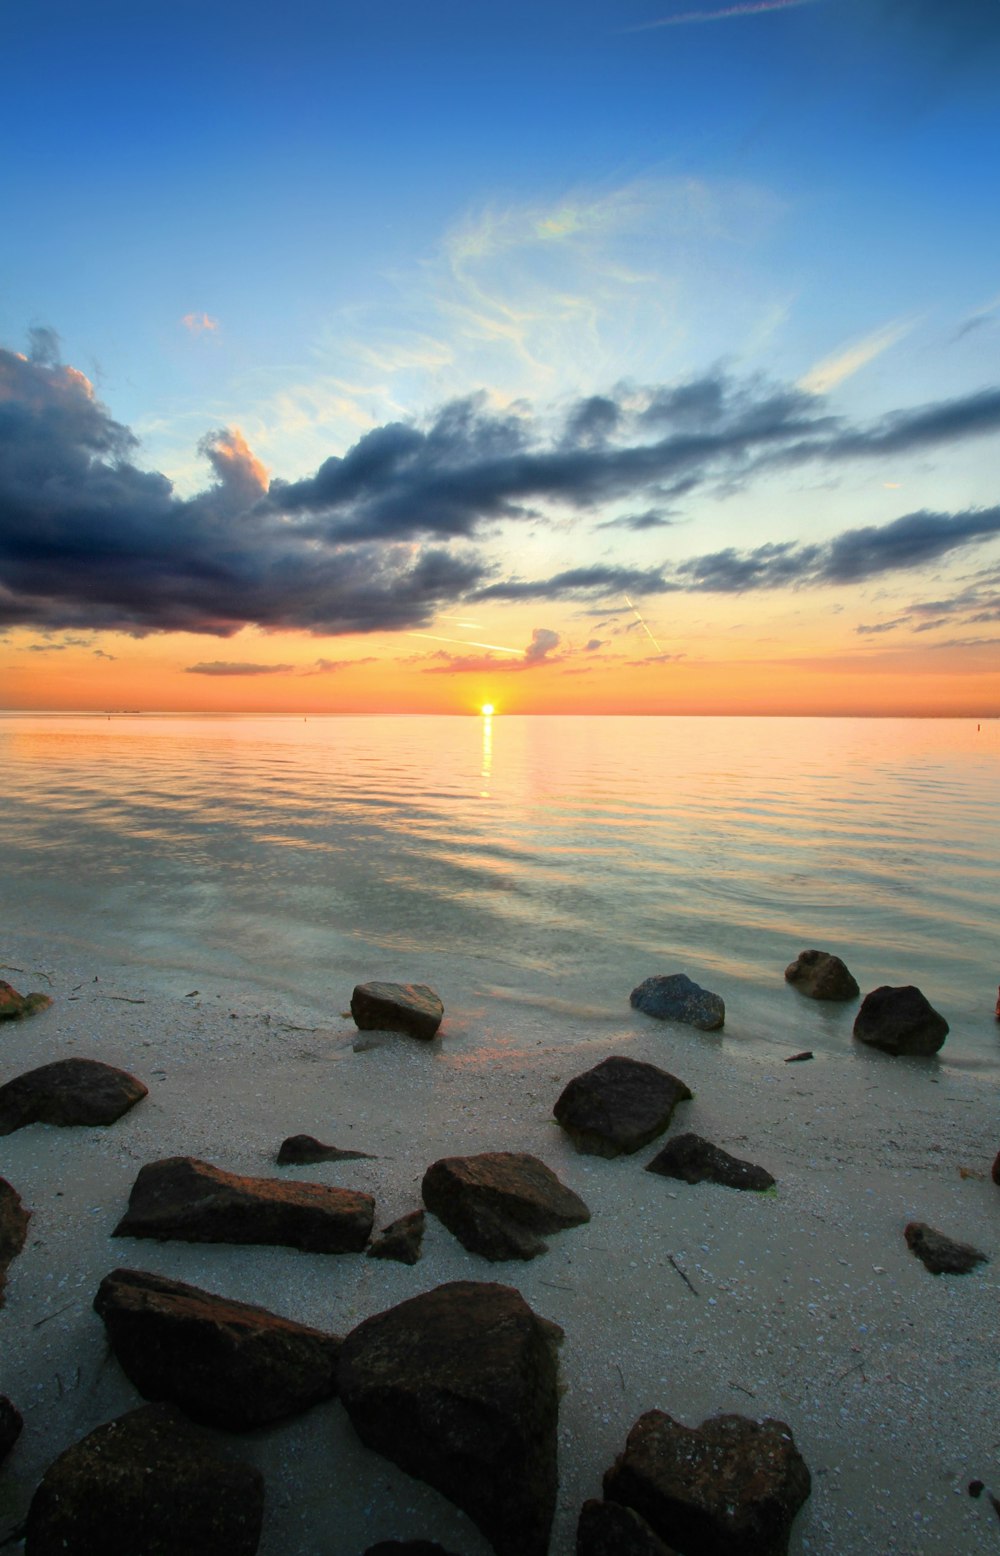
(190, 1200)
(407, 1548)
(995, 1172)
(303, 1150)
(900, 1021)
(799, 1058)
(677, 998)
(496, 1203)
(397, 1007)
(618, 1106)
(70, 1091)
(148, 1483)
(10, 1426)
(822, 976)
(699, 1161)
(18, 1007)
(940, 1254)
(459, 1387)
(226, 1364)
(611, 1529)
(731, 1486)
(13, 1229)
(401, 1240)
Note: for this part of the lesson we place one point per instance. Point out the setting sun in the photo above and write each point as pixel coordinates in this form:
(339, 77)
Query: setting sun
(486, 709)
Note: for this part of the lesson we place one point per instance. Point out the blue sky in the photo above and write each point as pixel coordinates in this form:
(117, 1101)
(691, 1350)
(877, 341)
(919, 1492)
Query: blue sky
(322, 221)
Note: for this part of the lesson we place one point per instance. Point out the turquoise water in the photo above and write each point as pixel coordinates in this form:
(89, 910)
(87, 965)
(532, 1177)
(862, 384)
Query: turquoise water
(518, 863)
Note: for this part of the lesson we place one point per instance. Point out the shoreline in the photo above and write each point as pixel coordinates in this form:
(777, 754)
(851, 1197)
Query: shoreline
(807, 1305)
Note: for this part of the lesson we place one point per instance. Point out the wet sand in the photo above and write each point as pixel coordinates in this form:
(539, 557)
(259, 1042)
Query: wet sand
(804, 1304)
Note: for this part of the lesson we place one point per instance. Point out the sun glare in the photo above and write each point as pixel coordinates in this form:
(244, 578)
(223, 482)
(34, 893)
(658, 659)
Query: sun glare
(486, 709)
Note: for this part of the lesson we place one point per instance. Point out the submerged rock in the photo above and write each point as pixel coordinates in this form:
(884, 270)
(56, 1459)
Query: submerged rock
(496, 1203)
(401, 1240)
(618, 1106)
(696, 1160)
(397, 1007)
(190, 1200)
(148, 1483)
(69, 1091)
(303, 1150)
(459, 1388)
(900, 1021)
(677, 997)
(18, 1007)
(11, 1423)
(612, 1529)
(731, 1486)
(13, 1229)
(822, 976)
(227, 1364)
(940, 1254)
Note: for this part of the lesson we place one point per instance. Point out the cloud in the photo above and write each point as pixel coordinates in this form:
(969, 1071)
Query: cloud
(725, 14)
(200, 323)
(826, 375)
(580, 583)
(334, 666)
(540, 651)
(236, 667)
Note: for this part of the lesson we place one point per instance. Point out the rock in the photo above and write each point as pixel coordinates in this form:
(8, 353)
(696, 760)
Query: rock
(699, 1161)
(18, 1007)
(731, 1486)
(678, 998)
(940, 1254)
(799, 1058)
(459, 1387)
(183, 1198)
(496, 1203)
(13, 1229)
(148, 1483)
(618, 1106)
(226, 1364)
(900, 1021)
(302, 1150)
(407, 1548)
(995, 1172)
(822, 976)
(11, 1423)
(611, 1529)
(397, 1007)
(400, 1241)
(70, 1091)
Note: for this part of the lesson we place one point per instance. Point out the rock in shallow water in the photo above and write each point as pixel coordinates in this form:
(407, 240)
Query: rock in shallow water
(676, 997)
(940, 1254)
(69, 1091)
(397, 1007)
(459, 1388)
(900, 1021)
(496, 1203)
(695, 1160)
(822, 976)
(618, 1106)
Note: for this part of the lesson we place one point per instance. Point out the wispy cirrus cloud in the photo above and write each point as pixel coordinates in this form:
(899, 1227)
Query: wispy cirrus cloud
(236, 667)
(723, 14)
(200, 324)
(833, 370)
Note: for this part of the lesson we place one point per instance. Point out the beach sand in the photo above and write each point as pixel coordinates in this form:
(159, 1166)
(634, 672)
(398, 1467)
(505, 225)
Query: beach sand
(806, 1304)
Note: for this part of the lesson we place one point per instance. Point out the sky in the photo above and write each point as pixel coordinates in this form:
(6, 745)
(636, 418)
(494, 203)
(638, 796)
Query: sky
(579, 356)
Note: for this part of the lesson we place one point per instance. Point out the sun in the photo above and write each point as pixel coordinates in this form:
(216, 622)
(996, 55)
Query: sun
(487, 709)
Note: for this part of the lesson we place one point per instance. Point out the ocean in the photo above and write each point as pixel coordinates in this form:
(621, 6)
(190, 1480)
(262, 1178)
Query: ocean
(524, 866)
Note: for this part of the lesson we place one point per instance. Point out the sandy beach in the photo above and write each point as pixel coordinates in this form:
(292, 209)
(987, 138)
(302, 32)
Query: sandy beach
(804, 1304)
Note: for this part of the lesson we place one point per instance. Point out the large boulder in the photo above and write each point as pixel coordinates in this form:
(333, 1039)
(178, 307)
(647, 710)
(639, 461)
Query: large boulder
(183, 1198)
(401, 1240)
(618, 1106)
(227, 1364)
(147, 1484)
(69, 1091)
(611, 1529)
(17, 1007)
(397, 1007)
(939, 1254)
(496, 1203)
(459, 1387)
(676, 997)
(13, 1229)
(822, 976)
(304, 1150)
(696, 1160)
(11, 1422)
(900, 1021)
(731, 1486)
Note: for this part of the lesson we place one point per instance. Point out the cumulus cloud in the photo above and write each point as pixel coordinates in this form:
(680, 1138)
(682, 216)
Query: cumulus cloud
(200, 324)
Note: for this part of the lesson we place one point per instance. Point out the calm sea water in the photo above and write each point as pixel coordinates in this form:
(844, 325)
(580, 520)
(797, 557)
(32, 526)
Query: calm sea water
(528, 863)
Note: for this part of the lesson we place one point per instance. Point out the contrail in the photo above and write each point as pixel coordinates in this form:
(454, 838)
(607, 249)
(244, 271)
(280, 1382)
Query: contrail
(642, 624)
(467, 643)
(753, 8)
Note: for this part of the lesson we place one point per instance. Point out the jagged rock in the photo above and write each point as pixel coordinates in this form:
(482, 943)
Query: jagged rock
(940, 1254)
(302, 1150)
(407, 1548)
(611, 1529)
(227, 1364)
(397, 1007)
(496, 1203)
(618, 1106)
(190, 1200)
(730, 1486)
(699, 1161)
(13, 1229)
(900, 1021)
(822, 976)
(148, 1483)
(401, 1240)
(10, 1426)
(459, 1387)
(69, 1091)
(678, 998)
(18, 1007)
